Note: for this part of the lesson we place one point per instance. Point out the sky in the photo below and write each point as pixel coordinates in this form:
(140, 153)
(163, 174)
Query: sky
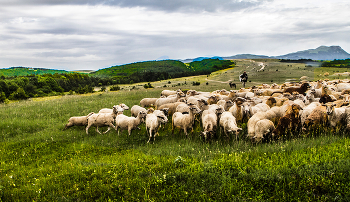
(97, 34)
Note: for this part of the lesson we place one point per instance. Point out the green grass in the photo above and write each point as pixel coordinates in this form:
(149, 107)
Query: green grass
(42, 162)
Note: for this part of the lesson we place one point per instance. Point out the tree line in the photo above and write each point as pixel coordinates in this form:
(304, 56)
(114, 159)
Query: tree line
(23, 87)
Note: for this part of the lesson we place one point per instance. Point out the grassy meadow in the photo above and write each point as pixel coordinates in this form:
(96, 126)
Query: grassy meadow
(42, 162)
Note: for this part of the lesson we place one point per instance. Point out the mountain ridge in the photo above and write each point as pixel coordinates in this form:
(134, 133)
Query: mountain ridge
(319, 53)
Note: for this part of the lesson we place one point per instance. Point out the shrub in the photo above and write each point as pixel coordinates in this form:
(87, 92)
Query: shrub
(149, 85)
(196, 83)
(114, 88)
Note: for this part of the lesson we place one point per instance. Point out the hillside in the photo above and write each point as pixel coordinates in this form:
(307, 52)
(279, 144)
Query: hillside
(160, 70)
(25, 71)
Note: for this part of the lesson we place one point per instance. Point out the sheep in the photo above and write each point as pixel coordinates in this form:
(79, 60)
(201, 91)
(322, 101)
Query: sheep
(228, 124)
(262, 107)
(263, 128)
(270, 114)
(103, 119)
(130, 123)
(136, 109)
(171, 107)
(209, 125)
(153, 121)
(169, 92)
(183, 108)
(121, 108)
(318, 116)
(184, 121)
(161, 101)
(335, 115)
(307, 111)
(289, 121)
(240, 109)
(347, 119)
(301, 90)
(225, 104)
(148, 102)
(78, 121)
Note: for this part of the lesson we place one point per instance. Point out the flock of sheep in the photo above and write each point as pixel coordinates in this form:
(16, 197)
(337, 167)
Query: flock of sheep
(270, 111)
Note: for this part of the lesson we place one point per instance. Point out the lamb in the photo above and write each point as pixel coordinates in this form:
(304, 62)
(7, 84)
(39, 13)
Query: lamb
(184, 121)
(121, 108)
(103, 119)
(153, 121)
(161, 101)
(130, 123)
(78, 121)
(228, 124)
(263, 128)
(335, 115)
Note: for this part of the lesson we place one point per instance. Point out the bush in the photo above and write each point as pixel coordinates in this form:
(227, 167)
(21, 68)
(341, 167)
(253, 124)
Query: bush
(196, 83)
(149, 85)
(114, 88)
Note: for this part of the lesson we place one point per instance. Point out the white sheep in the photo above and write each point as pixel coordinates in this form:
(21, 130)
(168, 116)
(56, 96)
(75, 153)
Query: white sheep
(261, 107)
(129, 123)
(262, 129)
(307, 111)
(102, 119)
(270, 114)
(78, 121)
(335, 115)
(228, 124)
(136, 109)
(153, 121)
(209, 122)
(121, 108)
(148, 102)
(225, 104)
(161, 101)
(184, 121)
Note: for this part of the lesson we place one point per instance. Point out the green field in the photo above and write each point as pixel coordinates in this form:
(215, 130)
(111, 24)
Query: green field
(42, 162)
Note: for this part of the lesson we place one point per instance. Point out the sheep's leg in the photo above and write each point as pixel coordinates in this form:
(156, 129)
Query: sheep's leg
(98, 130)
(87, 129)
(185, 130)
(150, 135)
(129, 131)
(109, 128)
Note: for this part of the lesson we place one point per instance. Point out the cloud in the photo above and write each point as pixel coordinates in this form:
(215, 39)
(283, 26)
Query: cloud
(161, 5)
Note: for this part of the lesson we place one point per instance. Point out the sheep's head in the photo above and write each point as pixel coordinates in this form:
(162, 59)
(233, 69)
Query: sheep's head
(195, 109)
(229, 104)
(142, 115)
(271, 102)
(124, 106)
(330, 108)
(181, 94)
(165, 111)
(163, 119)
(150, 110)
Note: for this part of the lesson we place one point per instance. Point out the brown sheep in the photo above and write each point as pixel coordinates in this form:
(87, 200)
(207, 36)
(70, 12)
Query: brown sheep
(301, 90)
(289, 122)
(318, 116)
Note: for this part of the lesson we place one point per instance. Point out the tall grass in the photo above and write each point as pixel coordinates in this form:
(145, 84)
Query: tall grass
(42, 162)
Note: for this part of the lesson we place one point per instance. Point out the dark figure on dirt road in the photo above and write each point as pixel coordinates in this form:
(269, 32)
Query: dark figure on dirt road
(243, 78)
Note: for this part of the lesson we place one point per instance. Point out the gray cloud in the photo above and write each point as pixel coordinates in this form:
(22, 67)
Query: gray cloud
(162, 5)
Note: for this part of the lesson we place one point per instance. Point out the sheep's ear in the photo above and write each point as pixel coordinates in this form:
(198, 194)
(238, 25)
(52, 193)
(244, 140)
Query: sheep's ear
(334, 105)
(239, 129)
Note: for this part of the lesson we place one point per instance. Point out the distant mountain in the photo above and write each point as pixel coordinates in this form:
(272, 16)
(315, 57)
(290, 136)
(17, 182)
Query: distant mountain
(200, 59)
(320, 53)
(247, 56)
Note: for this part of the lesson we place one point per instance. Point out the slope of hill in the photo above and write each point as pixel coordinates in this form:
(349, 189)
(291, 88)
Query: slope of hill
(160, 70)
(25, 71)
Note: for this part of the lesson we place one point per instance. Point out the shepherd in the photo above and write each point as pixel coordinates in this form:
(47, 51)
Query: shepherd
(243, 78)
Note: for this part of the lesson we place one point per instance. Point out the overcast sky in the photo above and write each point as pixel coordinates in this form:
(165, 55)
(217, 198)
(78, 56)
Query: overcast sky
(96, 34)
